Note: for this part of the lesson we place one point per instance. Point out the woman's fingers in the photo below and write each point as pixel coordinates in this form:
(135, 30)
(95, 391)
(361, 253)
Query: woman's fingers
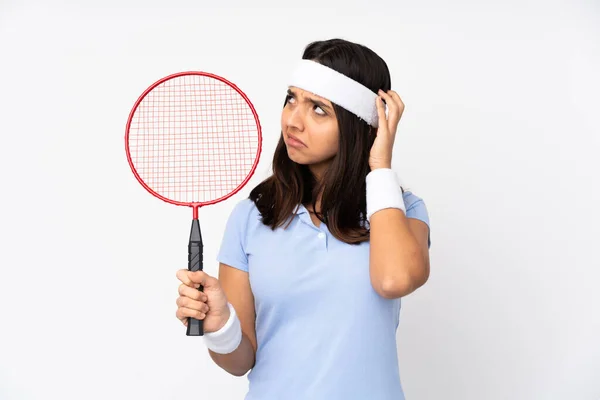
(192, 293)
(397, 100)
(393, 108)
(184, 277)
(188, 308)
(186, 302)
(398, 104)
(381, 115)
(183, 313)
(196, 278)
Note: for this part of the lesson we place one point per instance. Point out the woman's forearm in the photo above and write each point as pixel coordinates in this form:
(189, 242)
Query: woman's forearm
(396, 261)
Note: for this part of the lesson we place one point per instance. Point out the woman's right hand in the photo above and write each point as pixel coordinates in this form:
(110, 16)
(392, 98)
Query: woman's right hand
(209, 305)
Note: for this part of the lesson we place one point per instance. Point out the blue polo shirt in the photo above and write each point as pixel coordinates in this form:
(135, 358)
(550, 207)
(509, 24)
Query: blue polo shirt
(323, 333)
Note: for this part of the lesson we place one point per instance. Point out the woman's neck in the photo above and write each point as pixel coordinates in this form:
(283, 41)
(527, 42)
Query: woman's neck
(310, 207)
(318, 170)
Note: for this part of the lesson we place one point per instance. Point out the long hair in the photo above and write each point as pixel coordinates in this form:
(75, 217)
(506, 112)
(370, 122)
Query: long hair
(343, 186)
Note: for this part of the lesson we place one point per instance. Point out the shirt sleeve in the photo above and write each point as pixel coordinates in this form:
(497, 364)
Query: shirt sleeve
(416, 208)
(233, 246)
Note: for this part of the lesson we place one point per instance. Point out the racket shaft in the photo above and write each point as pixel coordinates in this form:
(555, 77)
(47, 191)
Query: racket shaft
(195, 248)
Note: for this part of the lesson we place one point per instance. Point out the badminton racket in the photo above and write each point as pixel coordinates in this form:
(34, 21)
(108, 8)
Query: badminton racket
(193, 139)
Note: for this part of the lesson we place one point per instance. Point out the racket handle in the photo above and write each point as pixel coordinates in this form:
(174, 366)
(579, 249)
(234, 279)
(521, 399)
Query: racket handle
(195, 327)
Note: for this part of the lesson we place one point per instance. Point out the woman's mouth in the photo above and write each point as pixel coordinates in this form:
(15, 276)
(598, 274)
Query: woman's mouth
(295, 142)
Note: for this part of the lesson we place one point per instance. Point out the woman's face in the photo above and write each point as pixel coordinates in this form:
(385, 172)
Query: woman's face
(310, 129)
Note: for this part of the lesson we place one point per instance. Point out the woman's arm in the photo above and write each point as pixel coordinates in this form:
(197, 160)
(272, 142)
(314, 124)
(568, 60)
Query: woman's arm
(399, 253)
(399, 258)
(236, 285)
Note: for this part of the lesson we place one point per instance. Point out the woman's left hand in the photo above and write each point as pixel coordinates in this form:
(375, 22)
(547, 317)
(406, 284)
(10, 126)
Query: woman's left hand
(381, 152)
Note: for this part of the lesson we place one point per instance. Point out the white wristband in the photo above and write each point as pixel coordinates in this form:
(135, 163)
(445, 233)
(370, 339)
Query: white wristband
(228, 338)
(383, 191)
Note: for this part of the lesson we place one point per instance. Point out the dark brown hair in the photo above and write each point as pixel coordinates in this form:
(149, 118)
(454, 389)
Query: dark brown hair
(343, 200)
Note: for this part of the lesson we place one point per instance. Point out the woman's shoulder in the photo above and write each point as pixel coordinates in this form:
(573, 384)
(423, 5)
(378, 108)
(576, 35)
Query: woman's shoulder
(242, 220)
(415, 206)
(411, 199)
(244, 210)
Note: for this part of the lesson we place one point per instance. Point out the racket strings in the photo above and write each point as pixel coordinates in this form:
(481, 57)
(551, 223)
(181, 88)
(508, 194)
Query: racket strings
(193, 138)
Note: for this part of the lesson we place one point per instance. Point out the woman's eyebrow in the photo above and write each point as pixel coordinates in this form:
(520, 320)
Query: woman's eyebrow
(314, 101)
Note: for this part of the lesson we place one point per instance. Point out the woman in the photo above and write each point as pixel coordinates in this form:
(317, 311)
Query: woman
(314, 263)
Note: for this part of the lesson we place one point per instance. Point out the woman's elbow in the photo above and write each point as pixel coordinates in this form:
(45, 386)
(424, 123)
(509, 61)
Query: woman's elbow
(400, 286)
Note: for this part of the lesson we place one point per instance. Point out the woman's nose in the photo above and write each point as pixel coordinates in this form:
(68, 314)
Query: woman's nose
(295, 118)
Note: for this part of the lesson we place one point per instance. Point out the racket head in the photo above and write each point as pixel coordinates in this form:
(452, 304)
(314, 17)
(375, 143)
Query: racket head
(193, 138)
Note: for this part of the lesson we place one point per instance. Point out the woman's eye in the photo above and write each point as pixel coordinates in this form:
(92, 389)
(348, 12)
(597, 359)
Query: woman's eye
(289, 99)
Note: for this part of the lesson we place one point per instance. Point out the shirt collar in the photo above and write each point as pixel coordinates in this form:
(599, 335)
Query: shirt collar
(300, 209)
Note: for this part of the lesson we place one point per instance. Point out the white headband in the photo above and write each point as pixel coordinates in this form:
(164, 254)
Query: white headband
(337, 88)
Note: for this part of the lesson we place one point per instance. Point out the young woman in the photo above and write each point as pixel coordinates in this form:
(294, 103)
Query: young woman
(314, 263)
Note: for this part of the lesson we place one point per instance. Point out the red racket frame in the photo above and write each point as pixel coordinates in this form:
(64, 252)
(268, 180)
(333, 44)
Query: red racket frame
(194, 205)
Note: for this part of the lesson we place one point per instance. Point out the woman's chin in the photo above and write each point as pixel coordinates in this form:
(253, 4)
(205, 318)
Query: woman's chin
(296, 157)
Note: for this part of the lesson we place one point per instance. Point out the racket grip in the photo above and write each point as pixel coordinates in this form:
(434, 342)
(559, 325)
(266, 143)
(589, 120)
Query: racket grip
(195, 327)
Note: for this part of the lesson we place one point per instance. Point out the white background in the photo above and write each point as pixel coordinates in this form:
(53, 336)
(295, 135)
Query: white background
(500, 137)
